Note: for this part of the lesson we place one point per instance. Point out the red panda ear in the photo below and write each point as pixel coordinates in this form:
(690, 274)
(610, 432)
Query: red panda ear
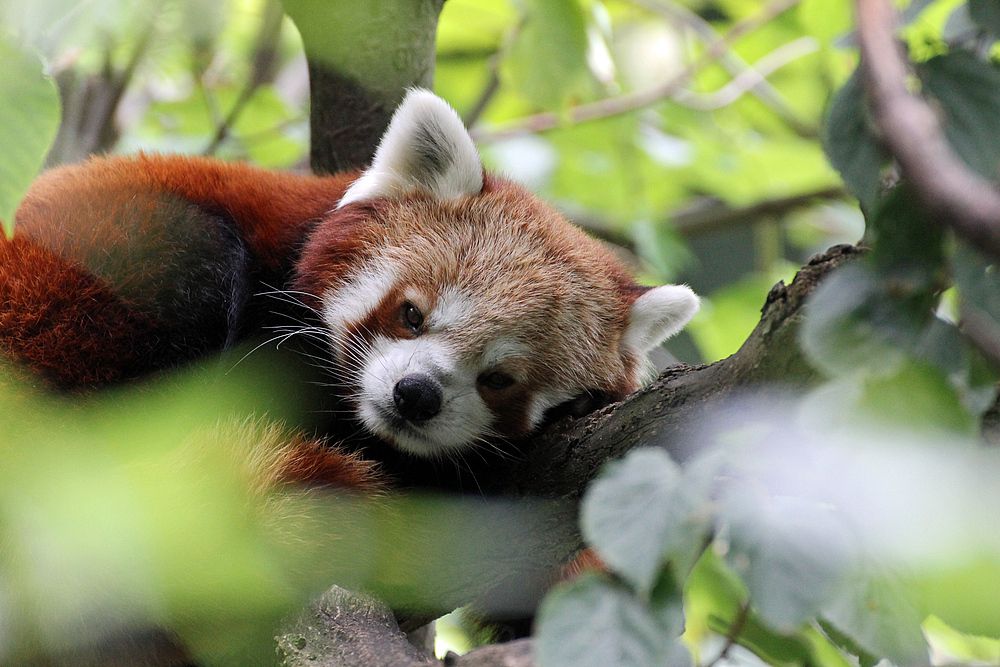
(426, 148)
(658, 314)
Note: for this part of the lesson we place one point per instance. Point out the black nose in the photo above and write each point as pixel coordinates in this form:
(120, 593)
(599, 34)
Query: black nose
(417, 398)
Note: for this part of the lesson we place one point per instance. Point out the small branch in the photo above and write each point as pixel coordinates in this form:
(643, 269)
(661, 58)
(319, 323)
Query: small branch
(712, 217)
(639, 99)
(750, 78)
(734, 632)
(732, 63)
(265, 56)
(962, 199)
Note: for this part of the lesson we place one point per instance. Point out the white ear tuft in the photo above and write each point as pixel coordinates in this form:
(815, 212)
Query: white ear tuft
(425, 148)
(657, 315)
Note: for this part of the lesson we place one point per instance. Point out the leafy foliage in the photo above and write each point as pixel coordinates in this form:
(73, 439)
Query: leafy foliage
(801, 541)
(29, 116)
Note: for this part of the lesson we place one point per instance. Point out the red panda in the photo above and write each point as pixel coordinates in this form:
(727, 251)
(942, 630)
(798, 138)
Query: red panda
(457, 307)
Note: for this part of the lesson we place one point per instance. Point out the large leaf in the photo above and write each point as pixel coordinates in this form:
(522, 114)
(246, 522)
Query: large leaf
(986, 14)
(851, 324)
(29, 118)
(967, 90)
(876, 613)
(641, 512)
(595, 622)
(850, 143)
(792, 553)
(548, 61)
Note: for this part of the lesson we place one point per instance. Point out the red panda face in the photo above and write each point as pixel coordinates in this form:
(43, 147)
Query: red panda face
(460, 308)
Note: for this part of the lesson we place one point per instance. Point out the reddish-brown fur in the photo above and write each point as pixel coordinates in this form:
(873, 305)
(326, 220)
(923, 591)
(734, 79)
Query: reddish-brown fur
(79, 329)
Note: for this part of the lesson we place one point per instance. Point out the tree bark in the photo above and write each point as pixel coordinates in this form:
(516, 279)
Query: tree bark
(363, 55)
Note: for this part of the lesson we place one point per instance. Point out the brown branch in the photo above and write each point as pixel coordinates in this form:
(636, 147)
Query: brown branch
(713, 216)
(960, 198)
(563, 459)
(638, 99)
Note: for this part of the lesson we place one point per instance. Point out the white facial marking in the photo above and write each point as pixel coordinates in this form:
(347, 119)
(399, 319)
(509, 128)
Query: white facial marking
(453, 310)
(464, 417)
(502, 349)
(356, 299)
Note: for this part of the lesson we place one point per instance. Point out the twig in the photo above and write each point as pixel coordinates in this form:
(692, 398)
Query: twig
(262, 71)
(493, 83)
(732, 63)
(713, 217)
(613, 106)
(734, 632)
(750, 78)
(959, 198)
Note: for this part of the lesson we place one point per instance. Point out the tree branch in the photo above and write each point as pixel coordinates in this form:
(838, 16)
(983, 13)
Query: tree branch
(640, 98)
(959, 198)
(564, 458)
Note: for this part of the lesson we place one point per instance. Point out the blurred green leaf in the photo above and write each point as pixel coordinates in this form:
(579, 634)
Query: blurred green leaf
(967, 91)
(850, 143)
(547, 61)
(950, 642)
(874, 609)
(595, 622)
(641, 512)
(792, 553)
(825, 19)
(962, 594)
(986, 14)
(851, 324)
(29, 118)
(907, 247)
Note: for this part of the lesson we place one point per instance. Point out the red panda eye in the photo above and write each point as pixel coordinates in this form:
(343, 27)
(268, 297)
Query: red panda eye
(496, 380)
(412, 316)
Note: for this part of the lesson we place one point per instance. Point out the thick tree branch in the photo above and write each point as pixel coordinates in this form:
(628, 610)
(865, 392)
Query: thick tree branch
(959, 197)
(567, 456)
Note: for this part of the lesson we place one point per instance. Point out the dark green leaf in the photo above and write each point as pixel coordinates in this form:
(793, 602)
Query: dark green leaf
(907, 245)
(29, 118)
(851, 323)
(967, 90)
(850, 143)
(595, 622)
(642, 512)
(986, 14)
(875, 612)
(791, 552)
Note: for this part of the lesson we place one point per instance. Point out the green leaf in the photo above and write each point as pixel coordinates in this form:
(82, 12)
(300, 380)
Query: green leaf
(917, 396)
(986, 14)
(791, 552)
(850, 143)
(548, 61)
(642, 512)
(907, 246)
(595, 622)
(876, 613)
(967, 90)
(29, 119)
(851, 324)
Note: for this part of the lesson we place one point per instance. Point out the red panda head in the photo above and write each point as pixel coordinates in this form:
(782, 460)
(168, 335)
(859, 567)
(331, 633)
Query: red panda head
(460, 307)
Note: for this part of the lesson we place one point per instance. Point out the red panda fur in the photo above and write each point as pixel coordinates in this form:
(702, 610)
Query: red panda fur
(458, 306)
